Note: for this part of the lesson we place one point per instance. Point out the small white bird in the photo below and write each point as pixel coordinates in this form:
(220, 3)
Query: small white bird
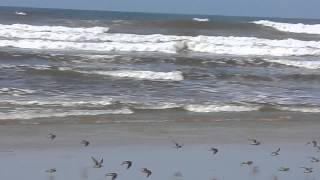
(97, 164)
(313, 142)
(247, 163)
(284, 169)
(307, 169)
(314, 159)
(276, 153)
(254, 142)
(53, 170)
(113, 175)
(177, 145)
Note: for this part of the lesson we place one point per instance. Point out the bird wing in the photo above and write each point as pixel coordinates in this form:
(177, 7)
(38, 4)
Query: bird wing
(101, 161)
(94, 160)
(278, 150)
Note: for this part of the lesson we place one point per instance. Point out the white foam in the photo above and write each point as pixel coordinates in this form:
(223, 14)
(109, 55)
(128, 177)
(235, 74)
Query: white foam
(308, 64)
(145, 75)
(219, 108)
(16, 91)
(159, 106)
(301, 109)
(20, 13)
(95, 39)
(64, 103)
(201, 19)
(32, 114)
(289, 27)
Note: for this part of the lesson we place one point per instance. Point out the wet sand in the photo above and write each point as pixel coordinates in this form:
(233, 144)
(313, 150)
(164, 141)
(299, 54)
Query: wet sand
(150, 145)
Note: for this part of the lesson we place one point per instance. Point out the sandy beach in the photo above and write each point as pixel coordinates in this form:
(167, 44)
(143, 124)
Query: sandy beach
(26, 153)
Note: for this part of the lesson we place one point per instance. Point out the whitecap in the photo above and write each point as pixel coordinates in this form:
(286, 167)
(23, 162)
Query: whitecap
(219, 108)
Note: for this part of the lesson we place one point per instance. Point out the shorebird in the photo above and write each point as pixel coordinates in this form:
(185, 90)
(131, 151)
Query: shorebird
(85, 143)
(307, 169)
(284, 169)
(247, 163)
(254, 142)
(314, 159)
(276, 153)
(128, 163)
(97, 164)
(51, 136)
(214, 150)
(53, 170)
(177, 145)
(113, 175)
(314, 143)
(146, 171)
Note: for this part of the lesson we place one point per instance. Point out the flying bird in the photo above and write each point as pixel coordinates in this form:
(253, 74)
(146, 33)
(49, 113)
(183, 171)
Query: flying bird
(97, 164)
(314, 143)
(177, 145)
(51, 136)
(214, 150)
(127, 163)
(276, 153)
(146, 171)
(254, 142)
(113, 175)
(85, 143)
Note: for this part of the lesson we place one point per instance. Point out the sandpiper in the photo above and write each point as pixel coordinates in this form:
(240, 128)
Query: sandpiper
(247, 163)
(146, 171)
(53, 170)
(51, 136)
(85, 143)
(314, 159)
(284, 169)
(97, 164)
(307, 169)
(128, 163)
(113, 175)
(276, 153)
(177, 145)
(254, 142)
(214, 150)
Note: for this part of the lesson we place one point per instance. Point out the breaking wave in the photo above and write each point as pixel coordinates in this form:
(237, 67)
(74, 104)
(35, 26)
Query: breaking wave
(294, 28)
(219, 108)
(96, 39)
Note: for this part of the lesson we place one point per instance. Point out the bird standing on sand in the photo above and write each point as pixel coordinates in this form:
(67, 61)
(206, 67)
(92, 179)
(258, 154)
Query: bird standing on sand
(214, 150)
(85, 143)
(51, 136)
(97, 164)
(146, 171)
(177, 145)
(53, 170)
(113, 175)
(276, 153)
(284, 169)
(128, 163)
(247, 163)
(314, 159)
(254, 142)
(307, 169)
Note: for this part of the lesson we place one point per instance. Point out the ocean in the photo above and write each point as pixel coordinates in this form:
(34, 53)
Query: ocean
(94, 67)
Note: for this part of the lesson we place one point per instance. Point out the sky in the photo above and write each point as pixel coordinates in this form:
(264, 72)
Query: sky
(258, 8)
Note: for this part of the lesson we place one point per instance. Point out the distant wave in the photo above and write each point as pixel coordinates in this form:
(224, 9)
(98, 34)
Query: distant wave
(147, 75)
(308, 64)
(294, 28)
(15, 91)
(96, 39)
(201, 19)
(63, 102)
